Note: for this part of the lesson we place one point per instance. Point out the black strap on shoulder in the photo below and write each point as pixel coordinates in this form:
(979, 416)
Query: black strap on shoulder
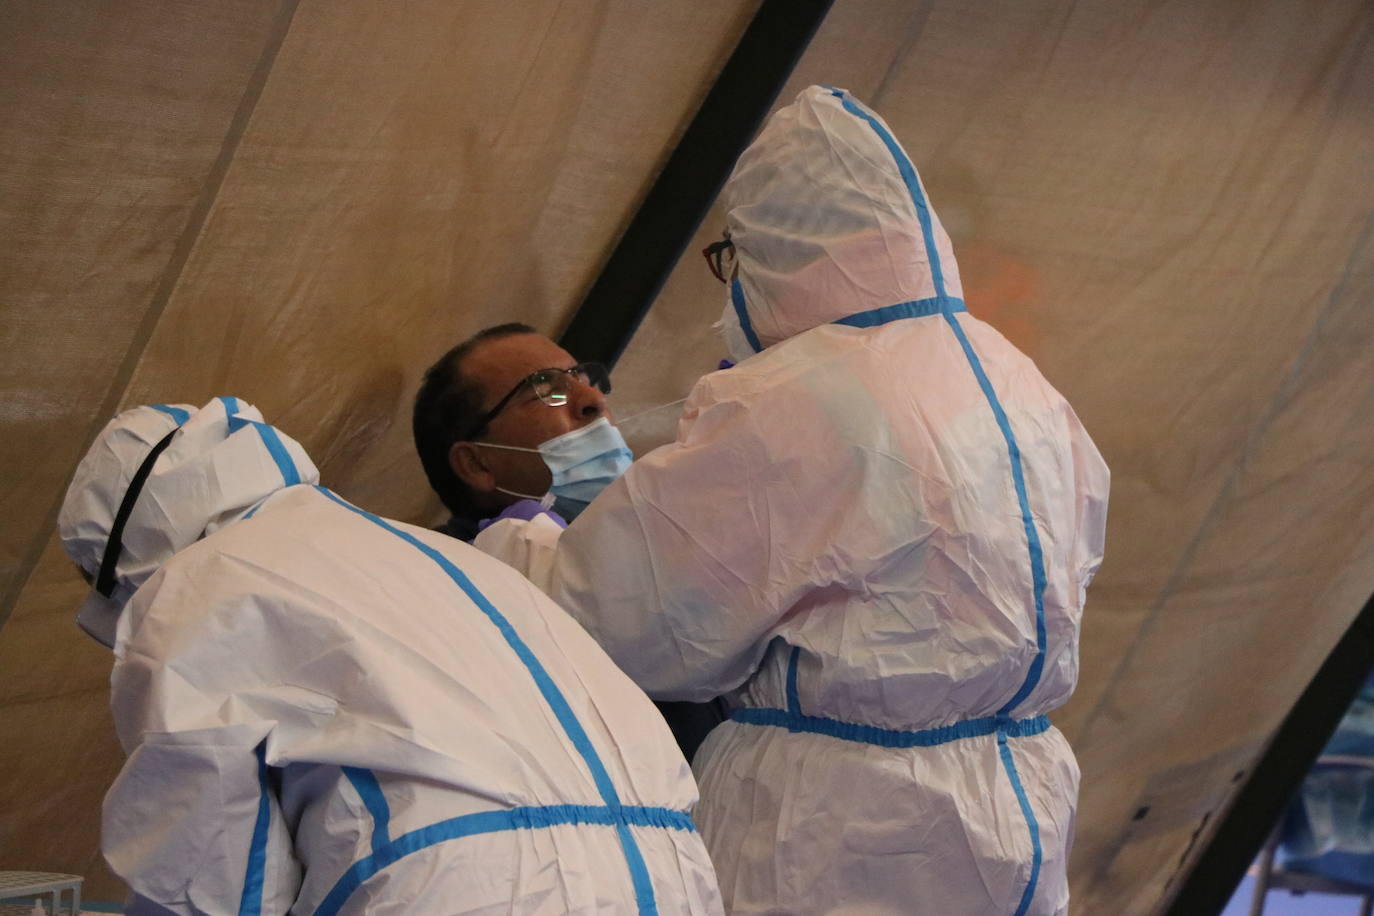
(114, 545)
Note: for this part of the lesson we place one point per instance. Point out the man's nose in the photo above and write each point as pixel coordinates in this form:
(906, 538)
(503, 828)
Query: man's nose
(587, 402)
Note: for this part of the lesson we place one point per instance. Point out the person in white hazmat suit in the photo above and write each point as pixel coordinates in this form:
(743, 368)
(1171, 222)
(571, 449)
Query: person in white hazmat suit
(328, 712)
(875, 531)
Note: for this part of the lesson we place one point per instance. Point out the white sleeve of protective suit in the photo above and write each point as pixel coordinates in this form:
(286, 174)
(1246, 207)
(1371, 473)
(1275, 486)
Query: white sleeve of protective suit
(671, 568)
(193, 823)
(193, 827)
(528, 546)
(1092, 481)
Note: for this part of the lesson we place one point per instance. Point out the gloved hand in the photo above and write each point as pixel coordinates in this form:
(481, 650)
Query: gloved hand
(525, 510)
(725, 364)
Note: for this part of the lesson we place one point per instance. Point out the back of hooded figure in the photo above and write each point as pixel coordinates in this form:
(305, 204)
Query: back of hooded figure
(328, 712)
(875, 533)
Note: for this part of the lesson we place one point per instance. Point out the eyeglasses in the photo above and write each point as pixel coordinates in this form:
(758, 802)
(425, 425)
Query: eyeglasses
(553, 386)
(716, 258)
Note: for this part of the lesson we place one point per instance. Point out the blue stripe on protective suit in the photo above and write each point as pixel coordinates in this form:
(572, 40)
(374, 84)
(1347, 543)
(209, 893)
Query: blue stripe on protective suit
(793, 697)
(918, 308)
(531, 818)
(179, 416)
(639, 871)
(255, 875)
(890, 737)
(908, 173)
(275, 447)
(1037, 558)
(737, 299)
(370, 791)
(279, 454)
(1010, 765)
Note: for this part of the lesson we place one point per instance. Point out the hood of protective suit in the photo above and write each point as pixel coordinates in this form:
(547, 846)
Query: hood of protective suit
(222, 461)
(830, 224)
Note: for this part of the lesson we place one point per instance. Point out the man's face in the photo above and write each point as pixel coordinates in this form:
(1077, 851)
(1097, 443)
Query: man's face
(497, 366)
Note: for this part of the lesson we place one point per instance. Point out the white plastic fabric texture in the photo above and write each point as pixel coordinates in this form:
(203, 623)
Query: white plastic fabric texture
(876, 534)
(224, 445)
(328, 712)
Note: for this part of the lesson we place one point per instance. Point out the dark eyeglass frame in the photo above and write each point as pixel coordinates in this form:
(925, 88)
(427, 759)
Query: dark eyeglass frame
(594, 374)
(715, 256)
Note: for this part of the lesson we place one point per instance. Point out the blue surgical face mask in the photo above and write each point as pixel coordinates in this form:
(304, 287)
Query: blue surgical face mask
(583, 463)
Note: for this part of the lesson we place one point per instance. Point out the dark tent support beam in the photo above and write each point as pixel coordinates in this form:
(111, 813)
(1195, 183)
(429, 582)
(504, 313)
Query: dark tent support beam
(1297, 744)
(674, 207)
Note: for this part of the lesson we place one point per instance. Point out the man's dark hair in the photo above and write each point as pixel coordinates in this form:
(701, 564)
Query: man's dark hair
(447, 404)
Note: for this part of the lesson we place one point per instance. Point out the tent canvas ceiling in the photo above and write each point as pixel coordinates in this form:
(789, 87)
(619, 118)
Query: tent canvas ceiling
(1167, 204)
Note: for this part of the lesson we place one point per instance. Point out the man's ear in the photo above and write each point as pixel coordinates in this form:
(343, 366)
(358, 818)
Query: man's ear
(468, 462)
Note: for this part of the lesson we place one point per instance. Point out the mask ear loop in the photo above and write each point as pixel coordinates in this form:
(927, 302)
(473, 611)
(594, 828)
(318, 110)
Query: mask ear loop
(508, 448)
(545, 501)
(114, 544)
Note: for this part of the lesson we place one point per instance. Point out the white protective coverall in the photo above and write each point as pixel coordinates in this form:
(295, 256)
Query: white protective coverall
(877, 533)
(328, 712)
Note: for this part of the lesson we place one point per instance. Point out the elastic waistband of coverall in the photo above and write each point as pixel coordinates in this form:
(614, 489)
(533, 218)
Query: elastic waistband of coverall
(890, 737)
(794, 720)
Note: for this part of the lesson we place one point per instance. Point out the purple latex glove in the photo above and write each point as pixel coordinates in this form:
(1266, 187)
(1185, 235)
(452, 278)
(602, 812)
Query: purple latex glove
(725, 364)
(525, 510)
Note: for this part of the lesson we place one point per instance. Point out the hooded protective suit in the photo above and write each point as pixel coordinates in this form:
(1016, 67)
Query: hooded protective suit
(327, 712)
(876, 532)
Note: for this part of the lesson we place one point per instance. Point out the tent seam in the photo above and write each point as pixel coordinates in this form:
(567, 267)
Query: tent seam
(171, 276)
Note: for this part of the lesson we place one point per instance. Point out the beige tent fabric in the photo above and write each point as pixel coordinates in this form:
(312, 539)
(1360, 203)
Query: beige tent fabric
(303, 203)
(106, 171)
